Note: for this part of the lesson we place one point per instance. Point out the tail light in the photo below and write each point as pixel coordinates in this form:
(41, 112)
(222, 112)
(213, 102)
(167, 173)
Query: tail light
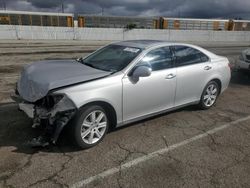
(230, 65)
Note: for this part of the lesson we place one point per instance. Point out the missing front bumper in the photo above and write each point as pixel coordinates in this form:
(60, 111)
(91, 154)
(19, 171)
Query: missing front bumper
(51, 120)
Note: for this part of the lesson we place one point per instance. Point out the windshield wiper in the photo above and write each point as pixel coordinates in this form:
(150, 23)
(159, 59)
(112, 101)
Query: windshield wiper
(90, 65)
(80, 60)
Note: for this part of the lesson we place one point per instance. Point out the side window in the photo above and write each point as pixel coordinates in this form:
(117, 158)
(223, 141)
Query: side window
(158, 59)
(188, 56)
(204, 58)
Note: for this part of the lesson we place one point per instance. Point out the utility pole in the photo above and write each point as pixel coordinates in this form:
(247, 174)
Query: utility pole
(62, 2)
(102, 11)
(4, 5)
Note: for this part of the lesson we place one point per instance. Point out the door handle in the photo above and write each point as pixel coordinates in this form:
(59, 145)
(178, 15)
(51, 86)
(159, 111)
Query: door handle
(207, 67)
(170, 76)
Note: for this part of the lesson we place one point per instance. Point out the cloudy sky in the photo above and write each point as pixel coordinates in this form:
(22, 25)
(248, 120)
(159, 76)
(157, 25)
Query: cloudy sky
(171, 8)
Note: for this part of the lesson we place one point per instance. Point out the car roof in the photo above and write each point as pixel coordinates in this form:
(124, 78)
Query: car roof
(143, 44)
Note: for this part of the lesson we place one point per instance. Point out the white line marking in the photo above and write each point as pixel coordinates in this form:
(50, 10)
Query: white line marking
(154, 154)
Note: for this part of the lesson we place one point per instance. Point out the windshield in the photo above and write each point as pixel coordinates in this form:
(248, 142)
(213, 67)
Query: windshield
(112, 58)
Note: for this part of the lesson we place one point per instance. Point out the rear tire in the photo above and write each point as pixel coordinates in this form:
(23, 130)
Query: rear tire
(209, 95)
(89, 126)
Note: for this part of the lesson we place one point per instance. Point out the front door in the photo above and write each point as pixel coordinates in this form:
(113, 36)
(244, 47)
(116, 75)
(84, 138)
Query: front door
(151, 94)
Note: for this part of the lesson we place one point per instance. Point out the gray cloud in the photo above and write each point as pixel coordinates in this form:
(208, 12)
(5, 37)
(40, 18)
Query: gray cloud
(44, 4)
(183, 8)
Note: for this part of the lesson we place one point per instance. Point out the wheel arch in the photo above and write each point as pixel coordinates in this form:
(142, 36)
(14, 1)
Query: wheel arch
(111, 113)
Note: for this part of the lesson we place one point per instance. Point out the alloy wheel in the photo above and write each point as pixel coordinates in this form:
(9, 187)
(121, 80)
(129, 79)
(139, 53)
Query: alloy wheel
(210, 95)
(93, 127)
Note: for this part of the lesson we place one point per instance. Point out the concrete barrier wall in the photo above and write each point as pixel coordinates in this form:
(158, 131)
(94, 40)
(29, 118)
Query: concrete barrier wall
(98, 34)
(8, 32)
(51, 33)
(115, 34)
(153, 34)
(36, 32)
(188, 35)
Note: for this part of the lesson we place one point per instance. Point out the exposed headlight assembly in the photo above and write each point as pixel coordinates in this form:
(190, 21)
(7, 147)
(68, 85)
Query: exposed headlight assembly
(61, 104)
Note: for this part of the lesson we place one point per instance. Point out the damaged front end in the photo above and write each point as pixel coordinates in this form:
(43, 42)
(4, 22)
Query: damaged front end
(51, 113)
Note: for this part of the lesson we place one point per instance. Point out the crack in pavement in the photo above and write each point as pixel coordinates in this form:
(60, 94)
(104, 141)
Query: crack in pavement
(244, 129)
(165, 141)
(214, 142)
(27, 164)
(214, 178)
(127, 155)
(145, 128)
(210, 169)
(52, 177)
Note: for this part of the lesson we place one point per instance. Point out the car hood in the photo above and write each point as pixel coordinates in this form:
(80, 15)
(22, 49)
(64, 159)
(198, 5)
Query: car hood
(39, 78)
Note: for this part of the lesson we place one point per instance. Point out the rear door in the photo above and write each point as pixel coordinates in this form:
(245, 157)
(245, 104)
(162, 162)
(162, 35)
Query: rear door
(193, 69)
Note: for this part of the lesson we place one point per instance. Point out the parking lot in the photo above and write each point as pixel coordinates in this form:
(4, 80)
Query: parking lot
(184, 148)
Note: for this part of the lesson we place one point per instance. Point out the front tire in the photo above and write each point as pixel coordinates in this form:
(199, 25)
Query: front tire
(209, 95)
(90, 126)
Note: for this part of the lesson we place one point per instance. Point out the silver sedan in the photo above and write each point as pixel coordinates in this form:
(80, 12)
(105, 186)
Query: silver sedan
(243, 64)
(118, 84)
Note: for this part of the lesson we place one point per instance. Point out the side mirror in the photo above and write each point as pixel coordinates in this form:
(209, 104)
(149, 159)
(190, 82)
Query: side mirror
(141, 71)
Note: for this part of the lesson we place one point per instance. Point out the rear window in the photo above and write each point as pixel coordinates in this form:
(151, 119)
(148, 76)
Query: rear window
(188, 56)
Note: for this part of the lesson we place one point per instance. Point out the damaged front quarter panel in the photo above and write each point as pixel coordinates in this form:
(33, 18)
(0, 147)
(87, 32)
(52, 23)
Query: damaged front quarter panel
(52, 113)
